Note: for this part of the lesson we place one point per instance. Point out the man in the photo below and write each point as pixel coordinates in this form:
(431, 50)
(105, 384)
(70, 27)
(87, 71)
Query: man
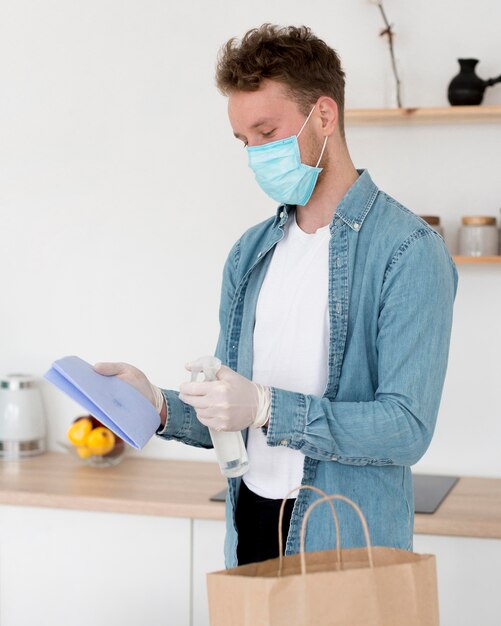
(335, 317)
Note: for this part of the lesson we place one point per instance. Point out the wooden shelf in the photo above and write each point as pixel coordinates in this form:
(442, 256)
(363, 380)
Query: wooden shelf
(434, 115)
(463, 260)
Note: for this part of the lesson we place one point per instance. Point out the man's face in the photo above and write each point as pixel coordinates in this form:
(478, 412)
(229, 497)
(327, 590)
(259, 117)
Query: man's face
(268, 114)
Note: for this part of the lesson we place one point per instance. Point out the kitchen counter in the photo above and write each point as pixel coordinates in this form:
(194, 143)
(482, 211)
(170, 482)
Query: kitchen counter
(182, 489)
(135, 486)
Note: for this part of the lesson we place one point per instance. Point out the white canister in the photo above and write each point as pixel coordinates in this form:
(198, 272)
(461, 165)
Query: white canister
(22, 417)
(478, 236)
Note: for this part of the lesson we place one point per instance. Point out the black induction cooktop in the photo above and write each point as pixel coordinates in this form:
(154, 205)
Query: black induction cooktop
(430, 491)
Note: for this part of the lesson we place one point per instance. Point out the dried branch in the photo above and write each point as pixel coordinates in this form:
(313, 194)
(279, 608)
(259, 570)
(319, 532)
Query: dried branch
(389, 32)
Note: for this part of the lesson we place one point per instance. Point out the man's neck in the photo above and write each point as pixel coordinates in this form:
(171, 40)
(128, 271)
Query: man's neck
(330, 190)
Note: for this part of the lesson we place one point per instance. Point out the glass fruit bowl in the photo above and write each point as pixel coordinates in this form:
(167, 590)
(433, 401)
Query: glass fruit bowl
(92, 443)
(96, 460)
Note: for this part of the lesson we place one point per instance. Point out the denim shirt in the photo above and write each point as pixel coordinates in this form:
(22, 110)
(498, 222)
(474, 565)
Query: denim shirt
(392, 285)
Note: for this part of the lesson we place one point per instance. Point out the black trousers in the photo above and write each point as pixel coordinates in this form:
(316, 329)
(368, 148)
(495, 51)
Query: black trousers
(257, 526)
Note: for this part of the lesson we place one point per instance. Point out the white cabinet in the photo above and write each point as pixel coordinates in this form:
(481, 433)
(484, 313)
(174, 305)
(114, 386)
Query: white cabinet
(74, 568)
(468, 578)
(77, 568)
(208, 556)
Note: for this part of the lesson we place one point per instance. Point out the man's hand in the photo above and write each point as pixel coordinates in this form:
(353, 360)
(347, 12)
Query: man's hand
(230, 403)
(138, 380)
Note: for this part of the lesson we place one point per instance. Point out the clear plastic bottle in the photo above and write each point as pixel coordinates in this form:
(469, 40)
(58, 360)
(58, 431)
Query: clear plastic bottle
(229, 446)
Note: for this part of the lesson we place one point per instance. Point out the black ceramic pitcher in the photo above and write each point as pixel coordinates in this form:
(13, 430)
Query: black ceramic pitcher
(467, 88)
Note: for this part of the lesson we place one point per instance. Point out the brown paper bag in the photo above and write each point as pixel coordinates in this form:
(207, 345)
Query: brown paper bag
(373, 586)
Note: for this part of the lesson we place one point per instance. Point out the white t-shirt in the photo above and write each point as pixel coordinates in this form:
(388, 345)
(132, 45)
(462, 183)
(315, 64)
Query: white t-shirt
(291, 346)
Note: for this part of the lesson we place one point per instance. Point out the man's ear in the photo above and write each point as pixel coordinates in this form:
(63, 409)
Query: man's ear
(329, 114)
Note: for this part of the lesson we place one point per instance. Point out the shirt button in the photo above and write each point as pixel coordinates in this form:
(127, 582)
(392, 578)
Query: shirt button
(333, 458)
(338, 307)
(259, 254)
(281, 214)
(356, 226)
(284, 442)
(338, 262)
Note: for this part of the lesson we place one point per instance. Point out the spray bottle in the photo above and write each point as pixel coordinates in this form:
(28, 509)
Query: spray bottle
(229, 446)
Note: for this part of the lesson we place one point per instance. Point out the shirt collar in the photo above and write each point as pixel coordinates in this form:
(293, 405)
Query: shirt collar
(283, 213)
(357, 201)
(353, 207)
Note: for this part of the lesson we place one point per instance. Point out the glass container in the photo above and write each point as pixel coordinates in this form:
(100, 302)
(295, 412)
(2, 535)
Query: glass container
(434, 222)
(478, 236)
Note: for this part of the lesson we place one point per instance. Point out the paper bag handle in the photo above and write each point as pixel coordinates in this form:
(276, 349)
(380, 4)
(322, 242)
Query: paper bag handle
(281, 519)
(329, 499)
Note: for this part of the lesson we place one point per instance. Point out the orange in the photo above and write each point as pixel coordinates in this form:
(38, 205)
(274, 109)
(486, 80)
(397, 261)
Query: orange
(79, 431)
(101, 440)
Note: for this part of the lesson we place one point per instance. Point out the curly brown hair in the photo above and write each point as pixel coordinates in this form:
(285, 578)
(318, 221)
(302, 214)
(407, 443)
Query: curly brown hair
(291, 55)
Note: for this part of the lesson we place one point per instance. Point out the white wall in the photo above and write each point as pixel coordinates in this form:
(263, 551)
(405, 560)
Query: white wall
(122, 188)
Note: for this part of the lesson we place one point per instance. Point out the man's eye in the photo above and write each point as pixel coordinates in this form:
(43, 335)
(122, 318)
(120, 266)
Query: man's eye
(269, 133)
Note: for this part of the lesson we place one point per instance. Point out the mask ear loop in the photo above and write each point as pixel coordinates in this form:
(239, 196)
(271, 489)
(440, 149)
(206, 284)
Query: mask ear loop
(325, 140)
(306, 120)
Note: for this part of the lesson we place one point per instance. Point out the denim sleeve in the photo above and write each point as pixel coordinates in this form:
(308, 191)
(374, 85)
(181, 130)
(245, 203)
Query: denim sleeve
(413, 336)
(182, 423)
(228, 287)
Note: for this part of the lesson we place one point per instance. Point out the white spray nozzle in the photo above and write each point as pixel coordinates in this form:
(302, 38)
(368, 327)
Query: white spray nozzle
(209, 365)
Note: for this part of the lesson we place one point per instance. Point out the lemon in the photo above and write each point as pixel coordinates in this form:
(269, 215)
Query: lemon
(100, 441)
(79, 431)
(84, 452)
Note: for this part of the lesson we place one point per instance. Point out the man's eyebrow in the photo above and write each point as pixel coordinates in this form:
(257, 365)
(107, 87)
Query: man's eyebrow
(260, 122)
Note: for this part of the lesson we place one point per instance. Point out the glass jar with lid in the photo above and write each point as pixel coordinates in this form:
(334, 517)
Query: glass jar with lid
(478, 236)
(434, 222)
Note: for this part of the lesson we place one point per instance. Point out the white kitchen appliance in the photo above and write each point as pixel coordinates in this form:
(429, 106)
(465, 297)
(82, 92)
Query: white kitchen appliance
(22, 418)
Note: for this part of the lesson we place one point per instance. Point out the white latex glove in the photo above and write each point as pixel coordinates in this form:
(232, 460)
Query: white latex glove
(135, 378)
(230, 403)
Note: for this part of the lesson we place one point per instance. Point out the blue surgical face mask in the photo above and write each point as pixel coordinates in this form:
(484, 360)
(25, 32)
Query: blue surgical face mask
(279, 172)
